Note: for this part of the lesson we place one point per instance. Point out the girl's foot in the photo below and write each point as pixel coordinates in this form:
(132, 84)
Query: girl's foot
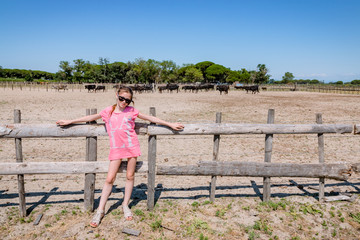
(127, 213)
(97, 219)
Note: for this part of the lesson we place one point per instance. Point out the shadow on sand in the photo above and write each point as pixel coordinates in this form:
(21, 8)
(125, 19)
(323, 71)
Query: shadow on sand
(139, 194)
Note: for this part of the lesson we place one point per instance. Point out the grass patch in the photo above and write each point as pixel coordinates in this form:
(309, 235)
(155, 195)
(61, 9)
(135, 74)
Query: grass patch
(355, 217)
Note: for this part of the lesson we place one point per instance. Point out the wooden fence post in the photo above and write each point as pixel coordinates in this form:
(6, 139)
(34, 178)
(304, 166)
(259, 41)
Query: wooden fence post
(151, 167)
(215, 158)
(19, 158)
(268, 151)
(321, 158)
(91, 155)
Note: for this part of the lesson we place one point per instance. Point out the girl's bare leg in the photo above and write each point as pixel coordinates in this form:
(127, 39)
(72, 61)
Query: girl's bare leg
(129, 185)
(130, 176)
(111, 176)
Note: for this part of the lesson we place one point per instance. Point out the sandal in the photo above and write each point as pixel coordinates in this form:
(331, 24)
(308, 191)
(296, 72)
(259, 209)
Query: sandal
(97, 219)
(127, 213)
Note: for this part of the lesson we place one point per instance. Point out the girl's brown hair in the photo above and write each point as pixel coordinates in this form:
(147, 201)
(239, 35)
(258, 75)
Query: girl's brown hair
(123, 88)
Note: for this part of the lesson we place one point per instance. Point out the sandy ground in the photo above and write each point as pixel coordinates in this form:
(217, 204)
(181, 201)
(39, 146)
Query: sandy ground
(53, 195)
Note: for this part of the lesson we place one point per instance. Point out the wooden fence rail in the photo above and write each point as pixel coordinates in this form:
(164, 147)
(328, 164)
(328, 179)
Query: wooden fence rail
(93, 130)
(252, 169)
(212, 168)
(9, 168)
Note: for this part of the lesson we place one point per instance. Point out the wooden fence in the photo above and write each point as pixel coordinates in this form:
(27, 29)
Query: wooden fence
(321, 88)
(211, 168)
(52, 86)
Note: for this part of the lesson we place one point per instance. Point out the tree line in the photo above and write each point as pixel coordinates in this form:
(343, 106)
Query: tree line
(151, 71)
(141, 71)
(288, 78)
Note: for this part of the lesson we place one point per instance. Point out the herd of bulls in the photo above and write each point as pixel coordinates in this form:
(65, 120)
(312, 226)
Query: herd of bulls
(207, 86)
(93, 87)
(175, 87)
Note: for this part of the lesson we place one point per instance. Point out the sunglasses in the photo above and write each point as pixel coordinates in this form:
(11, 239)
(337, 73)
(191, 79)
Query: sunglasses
(122, 99)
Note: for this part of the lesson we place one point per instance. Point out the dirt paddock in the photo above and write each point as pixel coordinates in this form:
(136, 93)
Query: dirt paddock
(60, 197)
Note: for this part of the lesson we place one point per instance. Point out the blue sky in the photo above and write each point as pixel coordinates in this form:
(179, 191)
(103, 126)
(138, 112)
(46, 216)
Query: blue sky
(313, 39)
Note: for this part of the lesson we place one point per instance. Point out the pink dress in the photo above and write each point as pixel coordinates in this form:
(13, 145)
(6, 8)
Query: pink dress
(120, 127)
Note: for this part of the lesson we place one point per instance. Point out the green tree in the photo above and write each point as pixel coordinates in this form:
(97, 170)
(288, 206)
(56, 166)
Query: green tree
(234, 76)
(137, 70)
(92, 72)
(152, 71)
(131, 74)
(245, 76)
(29, 77)
(168, 71)
(79, 68)
(217, 73)
(66, 71)
(193, 74)
(104, 70)
(314, 81)
(288, 77)
(117, 72)
(202, 66)
(142, 71)
(261, 75)
(182, 71)
(89, 70)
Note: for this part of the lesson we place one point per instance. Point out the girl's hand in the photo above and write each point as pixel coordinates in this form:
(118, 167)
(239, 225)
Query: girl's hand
(64, 122)
(176, 126)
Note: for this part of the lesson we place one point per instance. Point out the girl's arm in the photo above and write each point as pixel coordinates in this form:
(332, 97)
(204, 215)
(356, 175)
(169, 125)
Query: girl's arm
(175, 126)
(88, 118)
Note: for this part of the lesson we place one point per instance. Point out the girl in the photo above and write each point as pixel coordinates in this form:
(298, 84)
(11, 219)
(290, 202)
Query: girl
(120, 122)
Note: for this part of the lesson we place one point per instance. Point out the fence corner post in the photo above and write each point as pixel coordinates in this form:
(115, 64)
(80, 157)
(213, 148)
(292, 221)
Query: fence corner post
(268, 151)
(151, 167)
(91, 155)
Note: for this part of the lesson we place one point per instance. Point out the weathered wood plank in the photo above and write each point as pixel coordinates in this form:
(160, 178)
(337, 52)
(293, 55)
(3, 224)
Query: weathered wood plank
(19, 159)
(267, 158)
(215, 158)
(252, 169)
(130, 231)
(53, 130)
(92, 130)
(321, 150)
(151, 167)
(37, 220)
(340, 198)
(228, 129)
(91, 156)
(64, 167)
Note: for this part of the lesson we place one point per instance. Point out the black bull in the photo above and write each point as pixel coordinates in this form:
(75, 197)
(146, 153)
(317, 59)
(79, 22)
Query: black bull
(254, 89)
(223, 88)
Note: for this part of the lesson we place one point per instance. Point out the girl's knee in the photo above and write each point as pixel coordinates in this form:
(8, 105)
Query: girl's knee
(130, 176)
(110, 180)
